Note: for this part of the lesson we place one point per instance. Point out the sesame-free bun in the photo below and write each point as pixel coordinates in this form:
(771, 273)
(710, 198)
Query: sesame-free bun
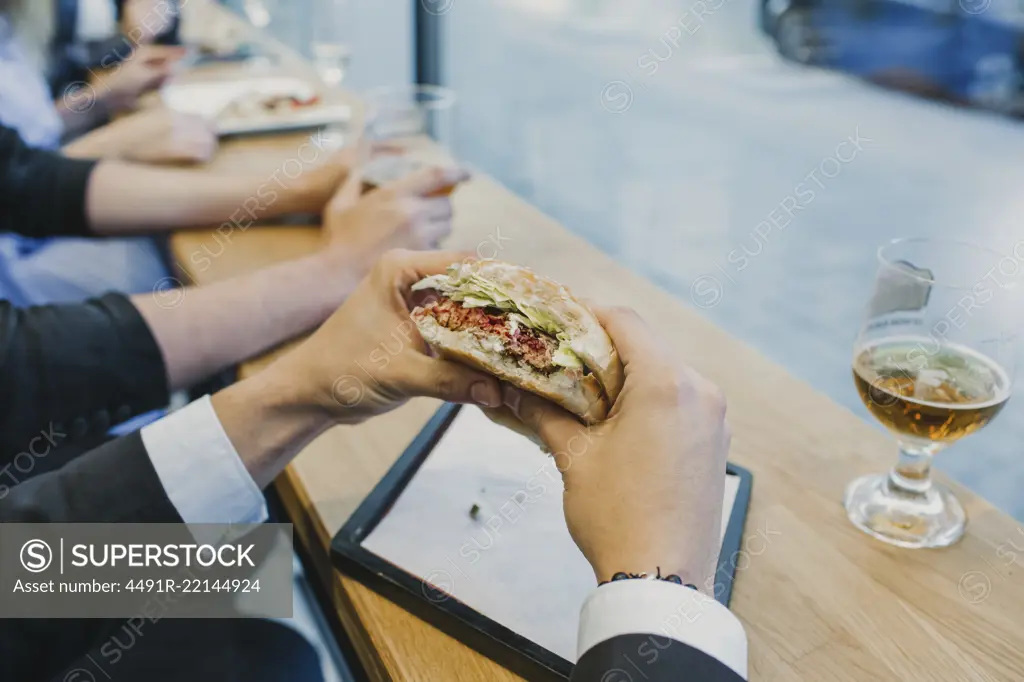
(588, 396)
(577, 392)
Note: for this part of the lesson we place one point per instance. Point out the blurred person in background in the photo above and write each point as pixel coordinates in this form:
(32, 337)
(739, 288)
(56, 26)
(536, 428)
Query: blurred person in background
(73, 365)
(44, 195)
(43, 269)
(32, 42)
(81, 35)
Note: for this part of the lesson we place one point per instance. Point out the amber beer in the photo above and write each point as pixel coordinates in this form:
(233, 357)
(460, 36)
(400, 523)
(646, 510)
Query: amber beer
(929, 391)
(385, 168)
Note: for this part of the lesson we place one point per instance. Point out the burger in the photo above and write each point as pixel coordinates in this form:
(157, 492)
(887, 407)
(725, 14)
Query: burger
(525, 329)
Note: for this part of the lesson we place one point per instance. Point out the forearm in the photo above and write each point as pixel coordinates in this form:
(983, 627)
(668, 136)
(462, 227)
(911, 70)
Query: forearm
(92, 145)
(221, 324)
(125, 198)
(269, 421)
(80, 109)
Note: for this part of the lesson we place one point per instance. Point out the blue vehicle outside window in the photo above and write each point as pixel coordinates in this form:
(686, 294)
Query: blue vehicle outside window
(967, 51)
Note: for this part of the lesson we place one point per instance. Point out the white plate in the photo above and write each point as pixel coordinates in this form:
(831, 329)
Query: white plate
(210, 98)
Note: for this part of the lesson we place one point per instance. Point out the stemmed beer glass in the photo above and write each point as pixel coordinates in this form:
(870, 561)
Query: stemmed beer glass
(934, 362)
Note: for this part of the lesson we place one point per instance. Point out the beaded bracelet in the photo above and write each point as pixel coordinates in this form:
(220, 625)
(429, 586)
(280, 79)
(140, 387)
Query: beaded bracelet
(622, 575)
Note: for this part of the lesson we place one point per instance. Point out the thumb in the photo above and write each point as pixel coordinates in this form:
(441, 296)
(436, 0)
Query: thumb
(349, 191)
(451, 381)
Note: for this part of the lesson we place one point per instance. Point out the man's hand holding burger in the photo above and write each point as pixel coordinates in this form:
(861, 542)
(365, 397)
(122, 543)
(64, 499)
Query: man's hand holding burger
(643, 489)
(644, 481)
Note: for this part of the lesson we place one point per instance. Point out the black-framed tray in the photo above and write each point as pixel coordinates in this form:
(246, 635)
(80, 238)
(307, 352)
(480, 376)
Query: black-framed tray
(385, 536)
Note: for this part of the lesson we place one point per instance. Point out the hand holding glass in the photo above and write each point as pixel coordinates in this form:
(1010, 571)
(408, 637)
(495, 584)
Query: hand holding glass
(407, 128)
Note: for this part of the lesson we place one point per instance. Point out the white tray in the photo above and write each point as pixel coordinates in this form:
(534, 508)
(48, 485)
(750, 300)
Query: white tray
(210, 98)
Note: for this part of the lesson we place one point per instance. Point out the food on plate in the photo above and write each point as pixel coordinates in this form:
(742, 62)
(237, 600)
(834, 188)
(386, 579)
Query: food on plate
(525, 329)
(254, 103)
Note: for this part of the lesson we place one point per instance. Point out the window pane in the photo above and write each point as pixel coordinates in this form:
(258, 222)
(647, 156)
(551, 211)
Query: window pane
(377, 32)
(672, 135)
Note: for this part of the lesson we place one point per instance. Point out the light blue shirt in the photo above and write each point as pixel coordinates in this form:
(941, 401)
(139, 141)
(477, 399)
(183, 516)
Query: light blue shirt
(25, 102)
(64, 269)
(61, 269)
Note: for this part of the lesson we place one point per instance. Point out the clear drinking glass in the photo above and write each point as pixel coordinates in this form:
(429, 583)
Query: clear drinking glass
(259, 12)
(407, 128)
(332, 52)
(934, 362)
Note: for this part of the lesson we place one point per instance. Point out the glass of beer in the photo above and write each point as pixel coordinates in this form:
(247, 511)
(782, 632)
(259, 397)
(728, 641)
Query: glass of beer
(407, 128)
(933, 363)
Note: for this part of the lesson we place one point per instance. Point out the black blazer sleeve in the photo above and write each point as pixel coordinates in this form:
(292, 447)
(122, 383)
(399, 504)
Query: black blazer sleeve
(113, 483)
(169, 37)
(42, 194)
(68, 372)
(649, 658)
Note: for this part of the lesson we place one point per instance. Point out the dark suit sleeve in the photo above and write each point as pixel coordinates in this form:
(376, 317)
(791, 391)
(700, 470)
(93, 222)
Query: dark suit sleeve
(42, 194)
(111, 484)
(115, 483)
(68, 372)
(649, 658)
(171, 36)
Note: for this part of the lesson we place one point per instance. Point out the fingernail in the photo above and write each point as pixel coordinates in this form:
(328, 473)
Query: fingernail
(482, 394)
(456, 174)
(511, 398)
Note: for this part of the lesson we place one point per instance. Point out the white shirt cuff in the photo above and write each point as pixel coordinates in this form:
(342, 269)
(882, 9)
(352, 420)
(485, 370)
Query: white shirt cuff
(663, 609)
(199, 468)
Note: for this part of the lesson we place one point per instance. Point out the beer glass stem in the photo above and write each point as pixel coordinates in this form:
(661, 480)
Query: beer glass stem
(913, 472)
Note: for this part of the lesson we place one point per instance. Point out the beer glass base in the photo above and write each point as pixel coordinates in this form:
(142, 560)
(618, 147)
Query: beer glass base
(933, 518)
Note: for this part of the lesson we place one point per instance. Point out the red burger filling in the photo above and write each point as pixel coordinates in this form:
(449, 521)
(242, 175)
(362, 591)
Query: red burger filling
(519, 341)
